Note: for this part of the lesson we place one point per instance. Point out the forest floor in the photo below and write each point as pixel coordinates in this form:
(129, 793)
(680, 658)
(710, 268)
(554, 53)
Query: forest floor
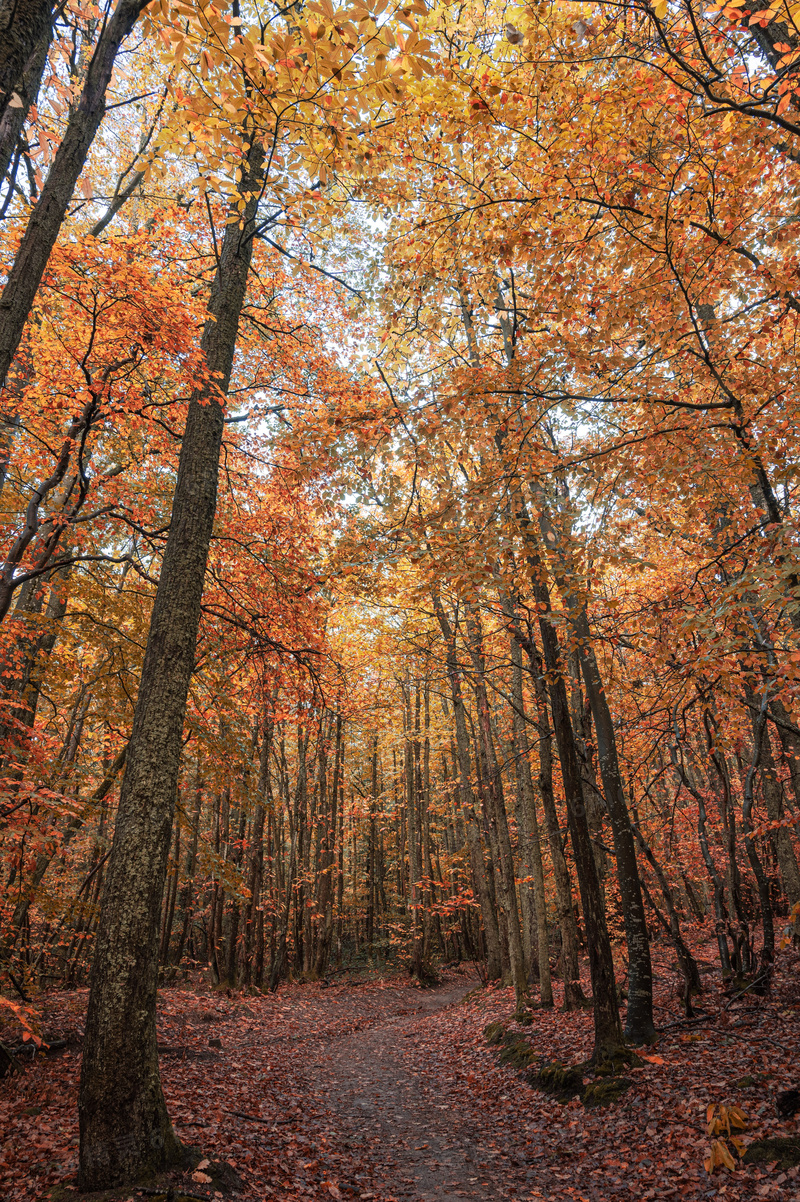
(381, 1091)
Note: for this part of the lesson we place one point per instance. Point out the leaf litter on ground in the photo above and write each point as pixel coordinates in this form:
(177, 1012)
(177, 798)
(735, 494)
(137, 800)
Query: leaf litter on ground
(383, 1091)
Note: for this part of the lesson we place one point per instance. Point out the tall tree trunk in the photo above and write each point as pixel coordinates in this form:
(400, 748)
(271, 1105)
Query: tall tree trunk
(773, 799)
(686, 961)
(295, 818)
(328, 859)
(124, 1126)
(768, 946)
(573, 993)
(717, 882)
(639, 1027)
(497, 816)
(527, 819)
(414, 866)
(255, 905)
(234, 914)
(466, 797)
(607, 1028)
(187, 892)
(172, 892)
(372, 850)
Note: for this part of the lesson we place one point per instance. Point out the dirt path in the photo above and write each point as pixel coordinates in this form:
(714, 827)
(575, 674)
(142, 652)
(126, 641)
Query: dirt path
(401, 1119)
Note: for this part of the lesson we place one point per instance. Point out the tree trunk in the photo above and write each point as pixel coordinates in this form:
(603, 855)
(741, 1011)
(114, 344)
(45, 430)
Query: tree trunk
(498, 817)
(528, 820)
(328, 859)
(491, 932)
(686, 961)
(255, 905)
(23, 25)
(768, 946)
(773, 798)
(372, 850)
(124, 1126)
(718, 885)
(172, 892)
(13, 119)
(573, 993)
(639, 1027)
(187, 893)
(414, 865)
(279, 960)
(607, 1028)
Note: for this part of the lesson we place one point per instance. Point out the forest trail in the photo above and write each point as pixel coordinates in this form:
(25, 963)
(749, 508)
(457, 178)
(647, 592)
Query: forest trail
(403, 1122)
(373, 1090)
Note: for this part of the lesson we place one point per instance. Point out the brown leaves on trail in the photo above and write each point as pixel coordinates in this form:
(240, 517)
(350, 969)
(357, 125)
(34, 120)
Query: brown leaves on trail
(369, 1091)
(243, 1105)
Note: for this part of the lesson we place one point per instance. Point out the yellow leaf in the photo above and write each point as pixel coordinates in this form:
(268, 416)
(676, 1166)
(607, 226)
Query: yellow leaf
(660, 10)
(725, 1157)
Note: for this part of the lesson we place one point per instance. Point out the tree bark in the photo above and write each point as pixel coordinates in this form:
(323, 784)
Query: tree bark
(328, 859)
(607, 1028)
(13, 119)
(639, 1026)
(466, 797)
(718, 884)
(768, 926)
(23, 25)
(124, 1126)
(528, 819)
(498, 818)
(573, 993)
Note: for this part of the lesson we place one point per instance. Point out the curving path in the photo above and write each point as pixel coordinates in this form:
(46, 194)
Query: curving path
(400, 1119)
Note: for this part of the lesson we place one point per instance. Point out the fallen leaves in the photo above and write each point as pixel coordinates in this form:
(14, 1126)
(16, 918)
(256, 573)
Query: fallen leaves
(283, 1103)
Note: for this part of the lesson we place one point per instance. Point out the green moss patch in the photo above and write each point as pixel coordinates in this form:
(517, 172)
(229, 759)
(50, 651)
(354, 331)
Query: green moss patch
(749, 1082)
(605, 1091)
(610, 1062)
(517, 1052)
(495, 1033)
(782, 1150)
(560, 1080)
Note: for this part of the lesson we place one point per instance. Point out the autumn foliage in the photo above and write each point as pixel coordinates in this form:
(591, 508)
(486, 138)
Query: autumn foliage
(498, 653)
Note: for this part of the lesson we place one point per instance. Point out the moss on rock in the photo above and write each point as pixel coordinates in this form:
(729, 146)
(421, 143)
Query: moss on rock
(495, 1033)
(560, 1080)
(610, 1062)
(605, 1091)
(783, 1150)
(517, 1052)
